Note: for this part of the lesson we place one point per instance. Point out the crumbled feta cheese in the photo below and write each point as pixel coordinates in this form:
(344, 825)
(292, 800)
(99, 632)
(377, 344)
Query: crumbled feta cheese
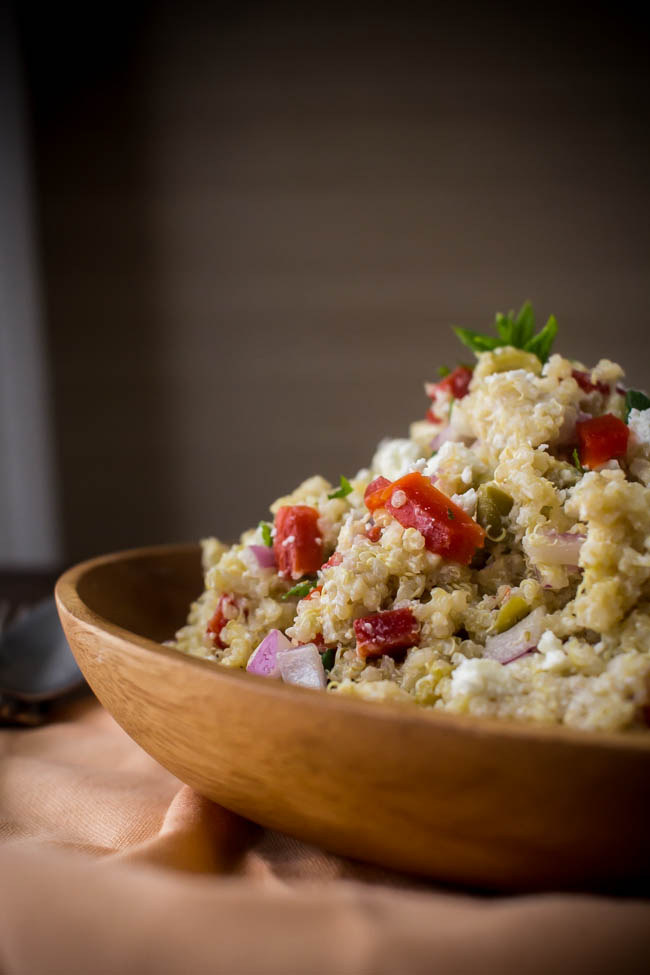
(445, 453)
(554, 657)
(466, 501)
(418, 465)
(639, 424)
(477, 676)
(393, 458)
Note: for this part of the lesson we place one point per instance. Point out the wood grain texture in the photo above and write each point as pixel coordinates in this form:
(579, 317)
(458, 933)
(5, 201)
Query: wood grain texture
(467, 801)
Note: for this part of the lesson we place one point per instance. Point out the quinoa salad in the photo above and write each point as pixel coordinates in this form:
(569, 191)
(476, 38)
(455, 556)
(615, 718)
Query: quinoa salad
(495, 562)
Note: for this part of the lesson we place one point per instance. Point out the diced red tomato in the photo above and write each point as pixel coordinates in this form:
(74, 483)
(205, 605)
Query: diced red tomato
(373, 531)
(600, 439)
(583, 380)
(456, 384)
(416, 503)
(228, 608)
(297, 543)
(334, 559)
(319, 641)
(387, 632)
(310, 595)
(378, 484)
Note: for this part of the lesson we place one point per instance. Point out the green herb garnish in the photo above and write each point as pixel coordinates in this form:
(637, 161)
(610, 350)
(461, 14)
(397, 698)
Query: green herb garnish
(576, 461)
(328, 657)
(451, 515)
(342, 491)
(301, 589)
(635, 400)
(444, 371)
(265, 529)
(517, 331)
(541, 344)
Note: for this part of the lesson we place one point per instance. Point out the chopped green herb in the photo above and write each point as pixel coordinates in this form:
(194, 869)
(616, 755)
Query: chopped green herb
(444, 371)
(451, 515)
(504, 326)
(576, 461)
(541, 344)
(635, 400)
(301, 589)
(524, 325)
(513, 330)
(477, 343)
(265, 529)
(342, 491)
(328, 657)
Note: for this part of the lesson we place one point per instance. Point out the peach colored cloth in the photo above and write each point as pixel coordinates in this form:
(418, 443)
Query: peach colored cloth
(109, 865)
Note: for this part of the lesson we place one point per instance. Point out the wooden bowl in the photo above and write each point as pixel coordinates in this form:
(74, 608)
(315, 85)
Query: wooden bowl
(464, 800)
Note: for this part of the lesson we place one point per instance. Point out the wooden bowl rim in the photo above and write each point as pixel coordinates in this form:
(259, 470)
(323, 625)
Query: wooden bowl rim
(391, 713)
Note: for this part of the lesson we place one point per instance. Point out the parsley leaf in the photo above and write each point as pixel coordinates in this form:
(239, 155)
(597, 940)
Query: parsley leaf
(342, 491)
(514, 330)
(505, 327)
(301, 589)
(576, 461)
(444, 371)
(265, 529)
(524, 325)
(476, 342)
(540, 345)
(328, 657)
(635, 400)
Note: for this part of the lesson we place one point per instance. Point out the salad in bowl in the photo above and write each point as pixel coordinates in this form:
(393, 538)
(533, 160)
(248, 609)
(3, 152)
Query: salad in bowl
(494, 562)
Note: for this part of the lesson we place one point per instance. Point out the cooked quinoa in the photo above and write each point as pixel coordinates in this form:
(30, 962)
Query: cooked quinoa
(506, 573)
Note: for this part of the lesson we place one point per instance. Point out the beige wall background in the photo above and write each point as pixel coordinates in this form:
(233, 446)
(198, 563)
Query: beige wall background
(256, 229)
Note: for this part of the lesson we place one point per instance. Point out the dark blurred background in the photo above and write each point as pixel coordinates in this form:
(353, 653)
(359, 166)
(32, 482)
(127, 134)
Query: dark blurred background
(246, 231)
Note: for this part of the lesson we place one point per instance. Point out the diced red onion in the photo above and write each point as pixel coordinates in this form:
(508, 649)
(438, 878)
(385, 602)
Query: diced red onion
(587, 385)
(555, 548)
(518, 640)
(264, 660)
(441, 437)
(265, 556)
(302, 666)
(449, 433)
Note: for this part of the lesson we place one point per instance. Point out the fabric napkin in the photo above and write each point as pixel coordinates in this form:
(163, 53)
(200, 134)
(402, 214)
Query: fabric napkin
(108, 864)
